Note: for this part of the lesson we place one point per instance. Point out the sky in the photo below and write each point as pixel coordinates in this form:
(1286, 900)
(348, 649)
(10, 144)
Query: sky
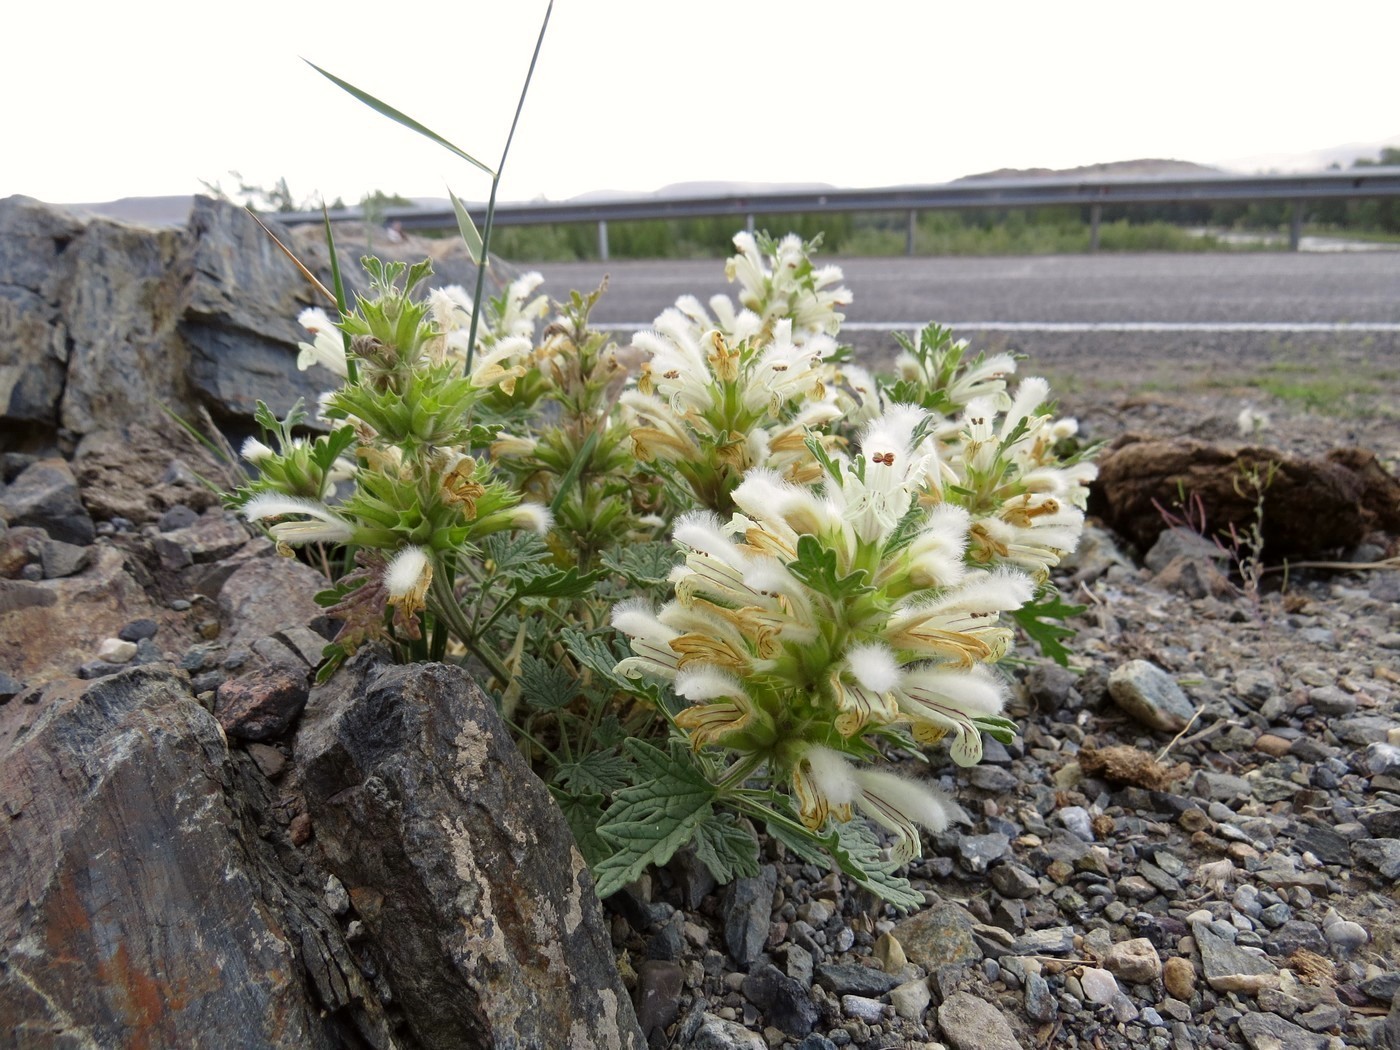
(102, 100)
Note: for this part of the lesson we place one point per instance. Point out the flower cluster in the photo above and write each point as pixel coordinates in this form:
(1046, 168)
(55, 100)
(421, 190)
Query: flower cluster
(403, 439)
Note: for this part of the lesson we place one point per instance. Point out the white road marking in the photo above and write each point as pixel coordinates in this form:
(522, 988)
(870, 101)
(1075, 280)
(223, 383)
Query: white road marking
(1095, 326)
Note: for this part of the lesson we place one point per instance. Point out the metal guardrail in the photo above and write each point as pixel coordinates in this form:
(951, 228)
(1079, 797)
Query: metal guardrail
(1353, 184)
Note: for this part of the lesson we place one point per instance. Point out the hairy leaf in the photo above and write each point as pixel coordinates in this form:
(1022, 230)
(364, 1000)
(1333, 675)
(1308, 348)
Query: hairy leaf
(603, 772)
(643, 564)
(817, 567)
(583, 812)
(726, 847)
(545, 686)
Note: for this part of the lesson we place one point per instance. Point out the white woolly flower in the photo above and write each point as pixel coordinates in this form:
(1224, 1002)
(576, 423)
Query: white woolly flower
(533, 516)
(254, 451)
(324, 526)
(407, 577)
(328, 346)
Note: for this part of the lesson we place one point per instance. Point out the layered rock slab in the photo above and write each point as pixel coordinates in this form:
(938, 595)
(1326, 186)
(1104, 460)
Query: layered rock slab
(459, 864)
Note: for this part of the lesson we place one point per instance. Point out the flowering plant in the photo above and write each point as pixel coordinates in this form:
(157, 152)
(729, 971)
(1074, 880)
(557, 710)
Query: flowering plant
(721, 576)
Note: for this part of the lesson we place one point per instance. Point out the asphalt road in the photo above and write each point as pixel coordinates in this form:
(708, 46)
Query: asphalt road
(1205, 288)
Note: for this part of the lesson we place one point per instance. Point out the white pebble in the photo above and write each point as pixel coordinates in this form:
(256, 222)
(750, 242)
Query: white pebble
(116, 651)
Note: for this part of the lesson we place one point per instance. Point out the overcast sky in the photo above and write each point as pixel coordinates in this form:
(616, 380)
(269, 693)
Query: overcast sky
(104, 100)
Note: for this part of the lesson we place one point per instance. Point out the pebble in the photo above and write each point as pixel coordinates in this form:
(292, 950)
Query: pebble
(911, 999)
(871, 1011)
(1383, 759)
(1099, 985)
(116, 650)
(748, 909)
(787, 1004)
(971, 1023)
(1135, 961)
(1331, 702)
(1147, 693)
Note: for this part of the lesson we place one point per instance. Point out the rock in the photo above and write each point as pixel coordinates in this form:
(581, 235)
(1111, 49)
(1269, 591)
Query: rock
(1099, 985)
(475, 896)
(266, 595)
(1040, 1002)
(269, 760)
(658, 994)
(1180, 542)
(1049, 686)
(1014, 881)
(1228, 968)
(143, 907)
(1330, 701)
(890, 953)
(212, 537)
(45, 625)
(871, 1011)
(716, 1033)
(35, 269)
(1135, 961)
(1137, 476)
(1381, 854)
(46, 496)
(1271, 1032)
(61, 559)
(911, 999)
(1179, 976)
(125, 472)
(855, 979)
(1383, 760)
(977, 851)
(940, 935)
(1194, 579)
(116, 651)
(785, 1003)
(1147, 693)
(261, 704)
(971, 1023)
(748, 908)
(136, 630)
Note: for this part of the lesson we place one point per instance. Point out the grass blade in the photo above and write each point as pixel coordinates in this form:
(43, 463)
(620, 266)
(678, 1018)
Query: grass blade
(399, 117)
(290, 255)
(351, 371)
(470, 235)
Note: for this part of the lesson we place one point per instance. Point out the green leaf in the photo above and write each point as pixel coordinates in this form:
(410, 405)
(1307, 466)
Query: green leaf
(546, 687)
(566, 584)
(329, 446)
(817, 567)
(856, 850)
(647, 823)
(583, 812)
(996, 727)
(398, 117)
(727, 847)
(599, 656)
(644, 565)
(1033, 618)
(470, 235)
(603, 772)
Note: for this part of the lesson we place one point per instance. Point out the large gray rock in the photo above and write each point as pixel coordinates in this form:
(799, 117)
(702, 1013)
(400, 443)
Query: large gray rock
(139, 904)
(459, 864)
(34, 271)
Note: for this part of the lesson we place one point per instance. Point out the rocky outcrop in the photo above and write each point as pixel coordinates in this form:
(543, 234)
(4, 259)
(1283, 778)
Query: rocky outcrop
(145, 901)
(460, 865)
(102, 323)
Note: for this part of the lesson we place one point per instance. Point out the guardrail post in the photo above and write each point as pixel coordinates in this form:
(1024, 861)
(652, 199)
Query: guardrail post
(1095, 214)
(1295, 227)
(748, 223)
(909, 232)
(603, 239)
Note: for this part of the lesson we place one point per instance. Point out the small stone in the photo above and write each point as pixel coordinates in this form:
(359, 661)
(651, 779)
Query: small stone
(1147, 693)
(1179, 975)
(940, 935)
(658, 994)
(1383, 760)
(1135, 961)
(748, 910)
(971, 1023)
(1331, 702)
(1273, 746)
(1381, 854)
(855, 979)
(1227, 967)
(871, 1011)
(785, 1003)
(271, 761)
(1040, 1002)
(136, 630)
(719, 1033)
(59, 559)
(337, 899)
(1270, 1032)
(911, 999)
(890, 953)
(978, 851)
(1077, 822)
(1014, 881)
(1346, 936)
(1099, 985)
(177, 517)
(116, 651)
(261, 704)
(300, 829)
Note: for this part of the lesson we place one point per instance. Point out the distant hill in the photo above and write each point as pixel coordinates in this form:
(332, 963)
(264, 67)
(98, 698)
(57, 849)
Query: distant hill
(1316, 160)
(1124, 168)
